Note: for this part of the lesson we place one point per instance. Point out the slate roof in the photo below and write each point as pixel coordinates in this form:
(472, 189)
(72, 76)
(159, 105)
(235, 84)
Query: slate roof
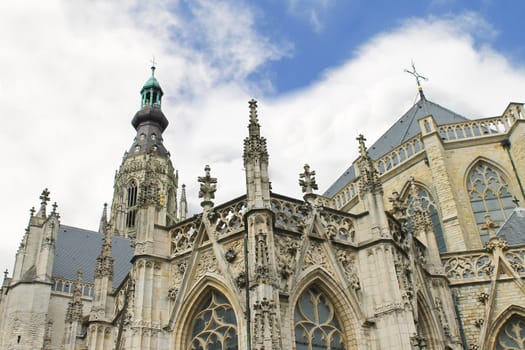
(513, 230)
(403, 129)
(77, 249)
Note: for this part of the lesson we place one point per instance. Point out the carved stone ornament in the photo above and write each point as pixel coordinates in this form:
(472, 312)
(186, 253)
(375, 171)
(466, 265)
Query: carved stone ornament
(230, 255)
(172, 293)
(483, 297)
(240, 280)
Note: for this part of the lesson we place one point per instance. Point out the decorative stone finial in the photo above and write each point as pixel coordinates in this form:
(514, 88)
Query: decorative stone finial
(6, 272)
(44, 197)
(207, 188)
(308, 184)
(32, 211)
(254, 126)
(489, 226)
(363, 151)
(369, 180)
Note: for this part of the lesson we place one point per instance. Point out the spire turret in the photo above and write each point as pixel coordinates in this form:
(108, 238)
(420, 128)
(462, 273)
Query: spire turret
(256, 163)
(103, 219)
(183, 207)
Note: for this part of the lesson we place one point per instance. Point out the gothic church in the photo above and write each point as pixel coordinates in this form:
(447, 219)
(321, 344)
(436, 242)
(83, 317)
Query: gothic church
(420, 244)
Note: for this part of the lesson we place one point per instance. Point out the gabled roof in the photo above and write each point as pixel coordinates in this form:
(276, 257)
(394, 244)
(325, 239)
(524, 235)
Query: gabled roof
(401, 131)
(77, 250)
(513, 230)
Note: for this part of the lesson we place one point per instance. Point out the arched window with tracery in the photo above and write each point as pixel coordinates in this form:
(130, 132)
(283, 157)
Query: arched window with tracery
(428, 203)
(489, 193)
(512, 335)
(132, 204)
(316, 324)
(214, 325)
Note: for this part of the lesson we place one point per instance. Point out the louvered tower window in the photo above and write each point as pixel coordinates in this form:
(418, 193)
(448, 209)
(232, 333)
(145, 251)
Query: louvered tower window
(214, 326)
(316, 324)
(489, 193)
(132, 205)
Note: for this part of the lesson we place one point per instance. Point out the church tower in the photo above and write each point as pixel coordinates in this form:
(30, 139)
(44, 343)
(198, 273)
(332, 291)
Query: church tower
(146, 177)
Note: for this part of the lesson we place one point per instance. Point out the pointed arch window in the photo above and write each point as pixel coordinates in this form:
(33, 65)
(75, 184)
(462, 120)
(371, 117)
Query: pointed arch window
(214, 325)
(489, 193)
(316, 324)
(132, 204)
(428, 203)
(512, 334)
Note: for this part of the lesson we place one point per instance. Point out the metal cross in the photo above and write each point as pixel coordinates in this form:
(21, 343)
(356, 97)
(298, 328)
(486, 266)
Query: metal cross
(417, 76)
(153, 62)
(516, 201)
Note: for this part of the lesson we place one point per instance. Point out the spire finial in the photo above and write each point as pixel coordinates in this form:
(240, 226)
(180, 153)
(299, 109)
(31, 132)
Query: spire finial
(308, 184)
(363, 151)
(6, 272)
(208, 188)
(183, 205)
(489, 226)
(254, 126)
(104, 219)
(417, 76)
(44, 197)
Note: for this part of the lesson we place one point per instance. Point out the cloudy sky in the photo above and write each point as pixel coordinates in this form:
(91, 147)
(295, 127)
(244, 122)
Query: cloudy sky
(322, 70)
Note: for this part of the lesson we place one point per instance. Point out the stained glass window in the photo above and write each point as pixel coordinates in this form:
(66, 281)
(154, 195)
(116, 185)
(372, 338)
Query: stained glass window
(316, 324)
(214, 326)
(512, 335)
(489, 193)
(428, 203)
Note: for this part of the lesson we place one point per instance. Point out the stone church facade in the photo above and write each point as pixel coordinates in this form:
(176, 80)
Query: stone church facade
(420, 244)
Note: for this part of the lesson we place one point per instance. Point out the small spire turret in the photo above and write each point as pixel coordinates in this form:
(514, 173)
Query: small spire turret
(103, 219)
(368, 174)
(183, 207)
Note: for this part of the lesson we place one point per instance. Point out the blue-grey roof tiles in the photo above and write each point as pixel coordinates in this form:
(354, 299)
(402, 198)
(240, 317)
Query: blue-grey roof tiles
(401, 131)
(77, 250)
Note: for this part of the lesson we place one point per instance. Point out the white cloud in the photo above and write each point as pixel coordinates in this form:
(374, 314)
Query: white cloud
(311, 11)
(70, 79)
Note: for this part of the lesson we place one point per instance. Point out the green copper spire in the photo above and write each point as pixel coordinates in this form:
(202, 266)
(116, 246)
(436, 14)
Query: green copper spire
(151, 91)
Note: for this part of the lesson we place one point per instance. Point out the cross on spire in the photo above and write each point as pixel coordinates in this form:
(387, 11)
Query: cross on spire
(418, 77)
(153, 65)
(516, 201)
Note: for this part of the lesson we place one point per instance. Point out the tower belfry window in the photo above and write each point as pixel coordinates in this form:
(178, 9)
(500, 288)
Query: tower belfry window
(132, 205)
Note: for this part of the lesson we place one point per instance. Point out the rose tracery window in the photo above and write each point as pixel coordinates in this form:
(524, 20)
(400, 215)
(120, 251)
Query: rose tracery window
(428, 203)
(316, 324)
(489, 193)
(214, 326)
(512, 335)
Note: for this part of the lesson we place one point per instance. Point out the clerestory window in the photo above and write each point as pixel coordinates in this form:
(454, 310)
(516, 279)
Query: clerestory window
(489, 193)
(316, 324)
(428, 203)
(214, 325)
(512, 334)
